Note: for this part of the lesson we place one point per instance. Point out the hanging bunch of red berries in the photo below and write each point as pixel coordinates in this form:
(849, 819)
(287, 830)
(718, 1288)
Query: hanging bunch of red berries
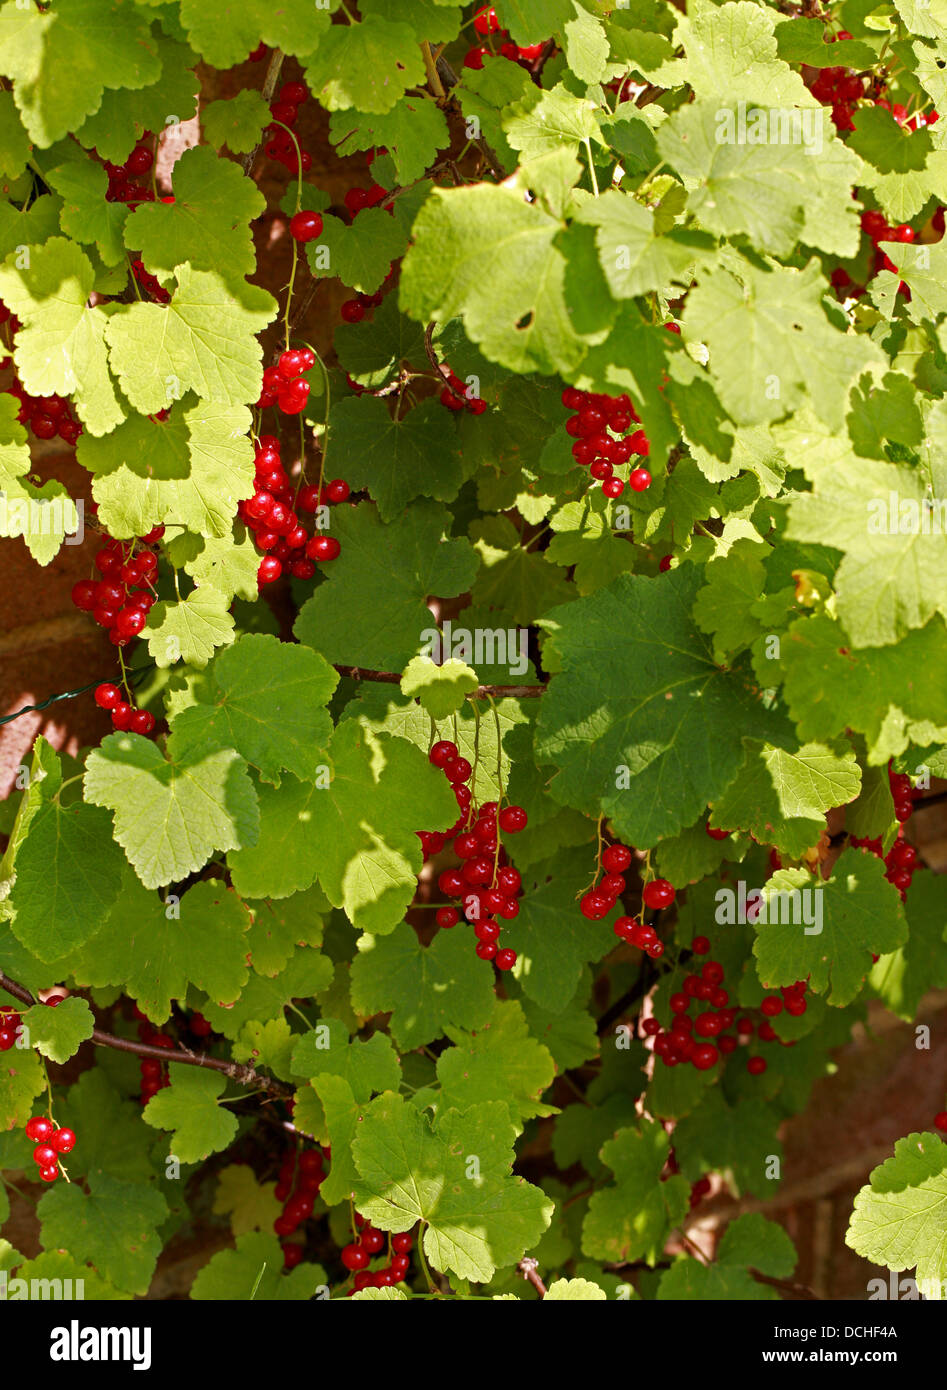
(454, 395)
(51, 1142)
(273, 514)
(301, 1175)
(705, 1038)
(901, 861)
(370, 1242)
(154, 1074)
(121, 189)
(283, 385)
(484, 883)
(840, 88)
(285, 112)
(487, 25)
(46, 416)
(600, 428)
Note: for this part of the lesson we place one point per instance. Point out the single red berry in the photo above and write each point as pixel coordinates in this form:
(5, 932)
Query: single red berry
(305, 226)
(269, 570)
(513, 819)
(486, 950)
(505, 959)
(700, 946)
(63, 1141)
(639, 479)
(107, 696)
(323, 548)
(658, 894)
(704, 1056)
(355, 1257)
(756, 1066)
(39, 1128)
(771, 1006)
(616, 859)
(940, 1120)
(443, 752)
(372, 1241)
(447, 917)
(402, 1243)
(338, 490)
(352, 311)
(50, 1173)
(44, 1155)
(83, 595)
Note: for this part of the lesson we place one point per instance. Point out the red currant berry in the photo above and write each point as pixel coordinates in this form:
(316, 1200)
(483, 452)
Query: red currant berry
(305, 226)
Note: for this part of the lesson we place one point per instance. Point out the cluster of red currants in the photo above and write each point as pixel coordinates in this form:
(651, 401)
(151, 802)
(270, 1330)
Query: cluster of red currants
(148, 282)
(125, 717)
(370, 1242)
(839, 88)
(901, 860)
(283, 384)
(272, 514)
(600, 428)
(154, 1074)
(487, 887)
(280, 145)
(47, 416)
(605, 892)
(455, 397)
(51, 1141)
(121, 599)
(300, 1178)
(702, 1040)
(487, 24)
(121, 189)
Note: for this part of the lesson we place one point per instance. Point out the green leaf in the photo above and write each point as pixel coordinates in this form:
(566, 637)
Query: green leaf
(634, 257)
(368, 1065)
(731, 53)
(113, 1139)
(59, 1032)
(772, 346)
(68, 874)
(780, 797)
(898, 1219)
(307, 973)
(14, 141)
(189, 1107)
(250, 1204)
(920, 964)
(649, 733)
(358, 833)
(124, 115)
(893, 695)
(425, 988)
(189, 630)
(530, 21)
(61, 348)
(236, 122)
(413, 134)
(22, 1077)
(207, 225)
(170, 816)
(894, 572)
(850, 916)
(512, 578)
(114, 1226)
(266, 699)
(154, 949)
(368, 65)
(750, 1241)
(632, 1218)
(360, 255)
(203, 341)
(499, 1061)
(517, 315)
(86, 216)
(477, 1218)
(396, 460)
(441, 690)
(574, 1290)
(63, 58)
(255, 1270)
(189, 469)
(800, 40)
(387, 571)
(225, 34)
(737, 1140)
